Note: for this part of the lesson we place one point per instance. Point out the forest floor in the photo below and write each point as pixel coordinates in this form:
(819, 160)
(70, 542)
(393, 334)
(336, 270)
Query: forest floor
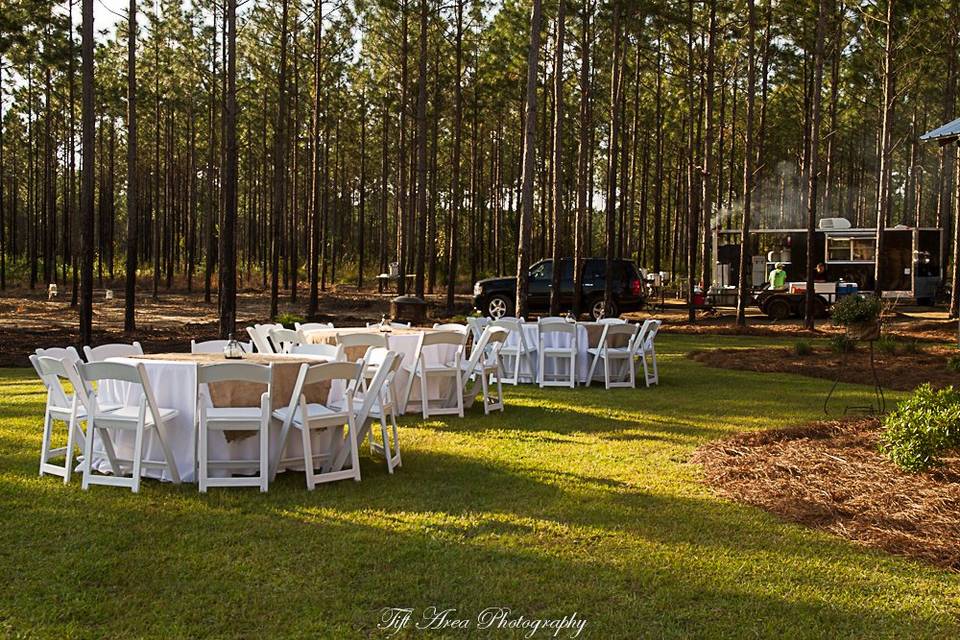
(831, 476)
(909, 366)
(571, 500)
(176, 316)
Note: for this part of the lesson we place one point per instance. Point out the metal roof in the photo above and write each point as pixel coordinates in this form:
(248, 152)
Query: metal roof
(945, 134)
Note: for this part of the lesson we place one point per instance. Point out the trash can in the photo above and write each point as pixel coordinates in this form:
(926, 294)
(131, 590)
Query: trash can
(409, 309)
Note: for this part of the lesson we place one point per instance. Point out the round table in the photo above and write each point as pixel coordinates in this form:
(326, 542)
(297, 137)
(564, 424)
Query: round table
(173, 378)
(403, 341)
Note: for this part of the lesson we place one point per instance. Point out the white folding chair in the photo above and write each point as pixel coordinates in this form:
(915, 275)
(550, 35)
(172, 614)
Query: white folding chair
(260, 339)
(377, 401)
(320, 352)
(520, 357)
(62, 406)
(114, 350)
(419, 368)
(611, 321)
(647, 352)
(139, 419)
(282, 339)
(225, 419)
(477, 325)
(483, 368)
(365, 339)
(307, 417)
(60, 353)
(557, 354)
(312, 326)
(615, 355)
(452, 326)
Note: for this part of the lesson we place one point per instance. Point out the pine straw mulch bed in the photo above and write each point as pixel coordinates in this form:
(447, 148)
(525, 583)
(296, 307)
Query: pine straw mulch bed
(830, 476)
(901, 371)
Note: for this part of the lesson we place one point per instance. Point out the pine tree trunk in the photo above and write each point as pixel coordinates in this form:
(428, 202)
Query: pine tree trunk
(743, 281)
(529, 160)
(280, 168)
(814, 155)
(558, 213)
(457, 196)
(228, 255)
(87, 125)
(422, 152)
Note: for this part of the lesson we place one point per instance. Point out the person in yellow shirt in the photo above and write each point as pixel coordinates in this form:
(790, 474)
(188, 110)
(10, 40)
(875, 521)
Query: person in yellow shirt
(778, 277)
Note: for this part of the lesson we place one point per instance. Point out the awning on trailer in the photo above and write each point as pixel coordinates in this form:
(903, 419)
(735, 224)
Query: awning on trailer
(944, 134)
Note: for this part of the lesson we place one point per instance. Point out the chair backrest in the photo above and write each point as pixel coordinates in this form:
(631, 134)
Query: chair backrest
(514, 326)
(487, 348)
(557, 325)
(114, 350)
(452, 326)
(652, 333)
(431, 338)
(208, 346)
(60, 353)
(362, 339)
(389, 363)
(131, 373)
(54, 372)
(312, 326)
(237, 371)
(611, 321)
(552, 319)
(311, 374)
(648, 331)
(263, 345)
(283, 339)
(477, 325)
(332, 352)
(618, 329)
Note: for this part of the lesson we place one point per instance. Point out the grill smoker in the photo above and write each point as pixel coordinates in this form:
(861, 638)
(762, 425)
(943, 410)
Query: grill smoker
(911, 264)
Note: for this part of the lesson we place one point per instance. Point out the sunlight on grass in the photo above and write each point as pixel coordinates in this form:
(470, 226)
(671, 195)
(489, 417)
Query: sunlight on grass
(571, 500)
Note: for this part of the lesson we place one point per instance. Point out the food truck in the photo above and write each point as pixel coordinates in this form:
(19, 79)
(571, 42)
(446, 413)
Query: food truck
(911, 265)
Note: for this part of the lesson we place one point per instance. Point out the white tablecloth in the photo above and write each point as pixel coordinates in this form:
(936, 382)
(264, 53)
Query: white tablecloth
(531, 334)
(405, 343)
(174, 386)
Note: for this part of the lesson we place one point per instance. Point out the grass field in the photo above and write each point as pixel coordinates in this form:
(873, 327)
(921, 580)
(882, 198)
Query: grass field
(571, 501)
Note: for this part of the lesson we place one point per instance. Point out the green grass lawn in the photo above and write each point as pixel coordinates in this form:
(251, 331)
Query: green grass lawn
(571, 501)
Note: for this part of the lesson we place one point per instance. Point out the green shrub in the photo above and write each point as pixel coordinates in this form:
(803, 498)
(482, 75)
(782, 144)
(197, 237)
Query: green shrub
(887, 344)
(921, 428)
(802, 347)
(856, 309)
(953, 363)
(287, 319)
(842, 344)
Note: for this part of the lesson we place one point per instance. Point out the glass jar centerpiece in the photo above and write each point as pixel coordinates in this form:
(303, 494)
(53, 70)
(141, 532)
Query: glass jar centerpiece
(233, 350)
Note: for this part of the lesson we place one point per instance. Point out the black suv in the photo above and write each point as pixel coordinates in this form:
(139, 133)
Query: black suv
(495, 297)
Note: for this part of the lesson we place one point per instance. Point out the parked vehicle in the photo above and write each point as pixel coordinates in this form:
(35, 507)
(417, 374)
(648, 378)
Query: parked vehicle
(495, 297)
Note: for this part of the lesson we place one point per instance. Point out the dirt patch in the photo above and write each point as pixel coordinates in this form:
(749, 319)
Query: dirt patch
(901, 371)
(168, 323)
(830, 476)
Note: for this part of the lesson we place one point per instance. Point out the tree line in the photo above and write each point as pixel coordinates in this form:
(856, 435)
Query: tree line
(293, 145)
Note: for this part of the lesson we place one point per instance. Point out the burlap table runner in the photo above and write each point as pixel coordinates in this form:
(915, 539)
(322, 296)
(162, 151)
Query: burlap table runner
(329, 336)
(247, 394)
(595, 330)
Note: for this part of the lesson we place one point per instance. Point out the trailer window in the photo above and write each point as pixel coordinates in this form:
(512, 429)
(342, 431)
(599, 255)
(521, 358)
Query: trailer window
(863, 249)
(851, 249)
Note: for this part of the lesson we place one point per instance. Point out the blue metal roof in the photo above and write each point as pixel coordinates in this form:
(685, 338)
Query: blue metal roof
(945, 133)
